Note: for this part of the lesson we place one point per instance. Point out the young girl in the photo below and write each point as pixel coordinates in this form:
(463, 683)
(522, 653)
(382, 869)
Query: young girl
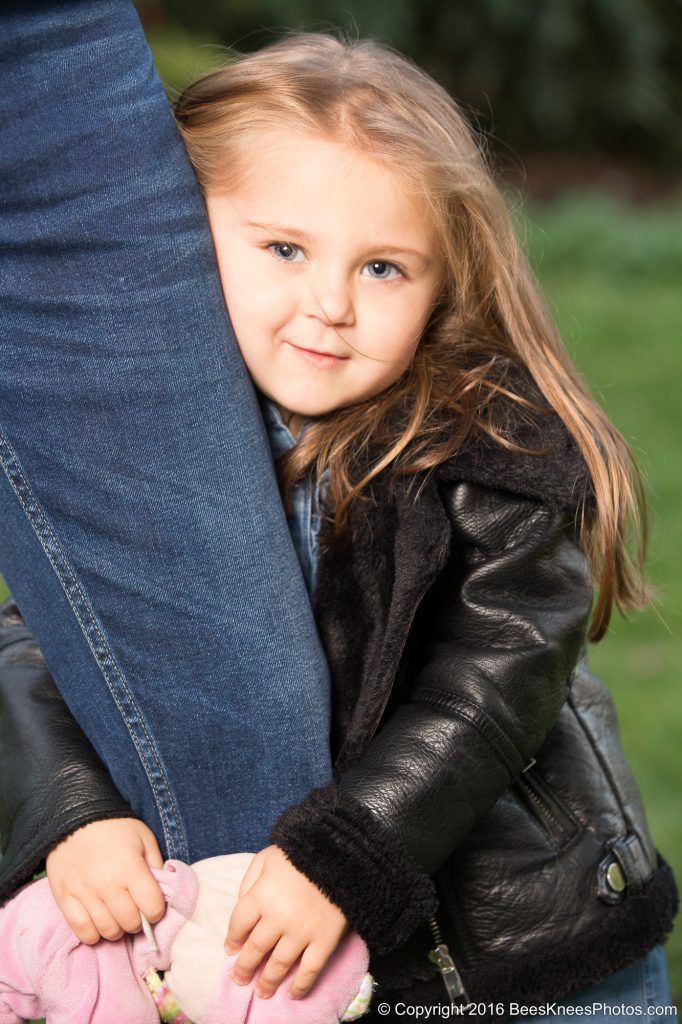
(454, 493)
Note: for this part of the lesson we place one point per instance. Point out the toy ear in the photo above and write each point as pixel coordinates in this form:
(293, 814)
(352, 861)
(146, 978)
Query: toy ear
(180, 888)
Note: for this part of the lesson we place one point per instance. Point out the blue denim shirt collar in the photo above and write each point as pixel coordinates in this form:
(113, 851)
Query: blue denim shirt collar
(307, 495)
(281, 438)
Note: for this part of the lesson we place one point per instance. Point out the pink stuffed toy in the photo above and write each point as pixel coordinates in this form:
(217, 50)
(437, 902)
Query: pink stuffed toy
(45, 971)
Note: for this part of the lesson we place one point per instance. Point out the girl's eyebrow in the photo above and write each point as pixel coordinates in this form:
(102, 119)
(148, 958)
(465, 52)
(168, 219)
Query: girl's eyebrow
(279, 230)
(393, 250)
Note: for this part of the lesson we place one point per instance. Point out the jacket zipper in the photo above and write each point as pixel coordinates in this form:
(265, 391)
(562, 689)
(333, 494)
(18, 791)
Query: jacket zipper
(548, 810)
(543, 808)
(441, 957)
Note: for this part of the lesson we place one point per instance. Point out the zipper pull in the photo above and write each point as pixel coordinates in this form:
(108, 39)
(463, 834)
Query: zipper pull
(440, 956)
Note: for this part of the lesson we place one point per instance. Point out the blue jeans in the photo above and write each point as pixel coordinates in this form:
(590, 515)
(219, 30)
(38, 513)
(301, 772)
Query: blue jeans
(628, 994)
(143, 535)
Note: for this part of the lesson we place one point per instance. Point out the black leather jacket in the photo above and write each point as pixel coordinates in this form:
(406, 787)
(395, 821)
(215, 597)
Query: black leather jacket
(479, 785)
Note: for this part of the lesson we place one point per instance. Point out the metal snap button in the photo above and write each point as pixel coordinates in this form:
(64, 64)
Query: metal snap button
(614, 877)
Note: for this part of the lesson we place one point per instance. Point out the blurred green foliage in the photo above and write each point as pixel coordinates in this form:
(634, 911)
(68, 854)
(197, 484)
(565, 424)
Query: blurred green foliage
(599, 237)
(181, 55)
(579, 76)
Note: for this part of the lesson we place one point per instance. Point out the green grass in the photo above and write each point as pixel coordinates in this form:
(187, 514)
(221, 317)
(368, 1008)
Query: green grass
(611, 275)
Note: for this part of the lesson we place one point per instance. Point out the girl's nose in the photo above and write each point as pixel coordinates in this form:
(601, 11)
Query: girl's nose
(331, 300)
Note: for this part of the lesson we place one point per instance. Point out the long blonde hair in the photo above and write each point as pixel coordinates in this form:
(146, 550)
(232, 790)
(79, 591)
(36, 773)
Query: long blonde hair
(490, 313)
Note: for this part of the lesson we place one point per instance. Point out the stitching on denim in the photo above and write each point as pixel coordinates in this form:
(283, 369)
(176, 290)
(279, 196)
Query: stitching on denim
(114, 678)
(653, 970)
(645, 983)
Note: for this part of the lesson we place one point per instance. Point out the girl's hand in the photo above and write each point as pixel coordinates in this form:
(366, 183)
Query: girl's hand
(280, 910)
(101, 878)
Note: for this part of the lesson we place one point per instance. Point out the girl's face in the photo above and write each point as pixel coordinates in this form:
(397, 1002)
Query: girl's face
(329, 270)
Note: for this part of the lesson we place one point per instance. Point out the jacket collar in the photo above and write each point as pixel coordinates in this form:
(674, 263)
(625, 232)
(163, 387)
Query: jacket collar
(368, 592)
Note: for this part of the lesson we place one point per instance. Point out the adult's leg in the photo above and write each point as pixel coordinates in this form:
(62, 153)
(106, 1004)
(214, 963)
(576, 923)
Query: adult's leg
(142, 532)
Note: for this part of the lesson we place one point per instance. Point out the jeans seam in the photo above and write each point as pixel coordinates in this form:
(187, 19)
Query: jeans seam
(647, 982)
(133, 719)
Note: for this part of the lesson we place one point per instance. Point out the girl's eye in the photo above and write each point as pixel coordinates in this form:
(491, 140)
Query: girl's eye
(384, 265)
(283, 246)
(287, 252)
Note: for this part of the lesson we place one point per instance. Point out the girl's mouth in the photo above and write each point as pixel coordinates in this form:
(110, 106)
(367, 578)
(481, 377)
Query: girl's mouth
(321, 359)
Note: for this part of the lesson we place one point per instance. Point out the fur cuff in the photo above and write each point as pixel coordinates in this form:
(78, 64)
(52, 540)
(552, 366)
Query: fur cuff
(355, 861)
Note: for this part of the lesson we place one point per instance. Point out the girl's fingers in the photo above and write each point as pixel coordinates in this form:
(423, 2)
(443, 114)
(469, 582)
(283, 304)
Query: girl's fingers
(256, 947)
(243, 919)
(104, 921)
(313, 962)
(147, 896)
(152, 852)
(285, 953)
(124, 911)
(252, 874)
(79, 920)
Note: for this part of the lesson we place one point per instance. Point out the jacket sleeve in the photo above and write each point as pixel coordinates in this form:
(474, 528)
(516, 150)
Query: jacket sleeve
(51, 779)
(506, 620)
